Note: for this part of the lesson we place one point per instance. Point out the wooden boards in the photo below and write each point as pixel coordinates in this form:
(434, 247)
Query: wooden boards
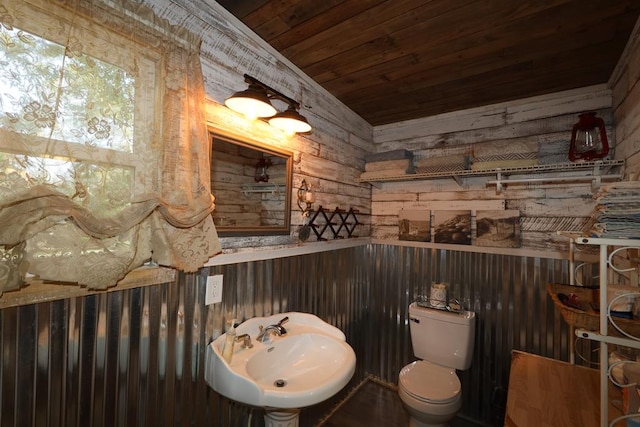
(548, 392)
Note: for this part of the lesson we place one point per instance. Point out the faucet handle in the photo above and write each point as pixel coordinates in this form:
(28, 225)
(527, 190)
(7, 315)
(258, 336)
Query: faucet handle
(246, 340)
(282, 328)
(283, 321)
(261, 332)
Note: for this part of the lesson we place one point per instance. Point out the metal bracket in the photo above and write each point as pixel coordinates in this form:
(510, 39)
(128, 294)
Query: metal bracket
(595, 336)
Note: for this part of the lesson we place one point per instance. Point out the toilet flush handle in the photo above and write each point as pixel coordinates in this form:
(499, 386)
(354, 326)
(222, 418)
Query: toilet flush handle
(413, 319)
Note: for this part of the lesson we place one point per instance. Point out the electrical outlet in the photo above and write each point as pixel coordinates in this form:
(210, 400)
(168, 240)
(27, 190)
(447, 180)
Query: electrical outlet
(214, 290)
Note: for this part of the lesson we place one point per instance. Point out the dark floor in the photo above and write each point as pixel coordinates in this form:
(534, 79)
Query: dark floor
(375, 404)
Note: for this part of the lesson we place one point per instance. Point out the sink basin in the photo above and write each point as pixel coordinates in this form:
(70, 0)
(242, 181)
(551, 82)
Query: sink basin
(307, 365)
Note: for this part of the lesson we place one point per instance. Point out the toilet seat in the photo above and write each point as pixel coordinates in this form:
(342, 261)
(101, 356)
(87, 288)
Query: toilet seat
(430, 383)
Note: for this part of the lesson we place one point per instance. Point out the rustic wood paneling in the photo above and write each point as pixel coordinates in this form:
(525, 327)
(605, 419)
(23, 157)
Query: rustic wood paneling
(232, 168)
(626, 104)
(544, 122)
(397, 60)
(330, 158)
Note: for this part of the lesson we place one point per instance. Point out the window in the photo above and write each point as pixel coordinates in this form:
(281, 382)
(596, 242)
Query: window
(94, 121)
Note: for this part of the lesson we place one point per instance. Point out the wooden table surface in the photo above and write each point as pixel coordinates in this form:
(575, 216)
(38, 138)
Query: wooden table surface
(548, 392)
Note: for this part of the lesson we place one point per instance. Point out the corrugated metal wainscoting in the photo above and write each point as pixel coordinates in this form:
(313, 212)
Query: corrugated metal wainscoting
(135, 357)
(508, 294)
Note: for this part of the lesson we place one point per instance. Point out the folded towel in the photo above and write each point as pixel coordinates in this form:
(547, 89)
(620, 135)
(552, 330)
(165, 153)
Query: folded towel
(383, 174)
(507, 157)
(443, 168)
(503, 147)
(452, 160)
(388, 164)
(388, 155)
(503, 164)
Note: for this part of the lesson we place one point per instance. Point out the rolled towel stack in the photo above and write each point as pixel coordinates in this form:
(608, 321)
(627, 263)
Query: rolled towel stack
(504, 154)
(388, 164)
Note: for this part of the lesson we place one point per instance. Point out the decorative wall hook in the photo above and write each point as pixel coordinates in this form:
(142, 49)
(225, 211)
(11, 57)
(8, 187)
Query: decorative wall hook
(305, 198)
(339, 222)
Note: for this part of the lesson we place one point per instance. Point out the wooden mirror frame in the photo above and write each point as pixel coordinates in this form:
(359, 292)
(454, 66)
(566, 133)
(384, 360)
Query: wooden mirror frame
(257, 229)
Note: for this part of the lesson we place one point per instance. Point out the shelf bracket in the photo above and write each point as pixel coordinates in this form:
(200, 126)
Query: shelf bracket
(271, 189)
(596, 181)
(600, 169)
(457, 179)
(498, 182)
(609, 339)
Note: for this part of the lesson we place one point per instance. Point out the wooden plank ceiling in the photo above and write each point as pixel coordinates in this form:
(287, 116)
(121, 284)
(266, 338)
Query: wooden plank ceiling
(394, 60)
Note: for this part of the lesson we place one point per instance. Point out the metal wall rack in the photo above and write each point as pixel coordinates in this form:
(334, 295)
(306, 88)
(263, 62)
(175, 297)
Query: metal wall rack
(602, 335)
(264, 188)
(334, 221)
(594, 171)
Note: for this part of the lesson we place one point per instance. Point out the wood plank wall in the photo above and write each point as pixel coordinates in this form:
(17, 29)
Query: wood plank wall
(329, 159)
(625, 82)
(231, 167)
(545, 121)
(332, 156)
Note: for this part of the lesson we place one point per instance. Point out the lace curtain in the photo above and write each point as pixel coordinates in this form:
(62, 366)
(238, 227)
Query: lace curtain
(104, 151)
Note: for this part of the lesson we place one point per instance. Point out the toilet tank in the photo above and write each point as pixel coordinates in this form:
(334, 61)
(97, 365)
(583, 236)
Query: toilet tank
(442, 337)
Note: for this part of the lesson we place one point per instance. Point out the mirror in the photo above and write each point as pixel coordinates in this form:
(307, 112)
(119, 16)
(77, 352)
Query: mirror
(252, 186)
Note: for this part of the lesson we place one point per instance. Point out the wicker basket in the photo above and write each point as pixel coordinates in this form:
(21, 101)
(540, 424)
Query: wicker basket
(588, 319)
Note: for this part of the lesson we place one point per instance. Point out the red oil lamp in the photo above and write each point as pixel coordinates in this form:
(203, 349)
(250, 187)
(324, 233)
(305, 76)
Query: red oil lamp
(588, 139)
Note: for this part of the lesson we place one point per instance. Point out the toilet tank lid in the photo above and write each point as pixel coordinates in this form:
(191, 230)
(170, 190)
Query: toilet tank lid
(465, 317)
(430, 382)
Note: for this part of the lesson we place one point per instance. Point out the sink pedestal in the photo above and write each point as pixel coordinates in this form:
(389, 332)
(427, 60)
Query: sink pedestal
(282, 418)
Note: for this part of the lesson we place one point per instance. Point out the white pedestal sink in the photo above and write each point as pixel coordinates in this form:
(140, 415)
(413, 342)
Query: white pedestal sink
(307, 365)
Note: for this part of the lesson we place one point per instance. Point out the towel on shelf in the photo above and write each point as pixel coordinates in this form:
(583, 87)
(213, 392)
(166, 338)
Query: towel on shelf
(389, 165)
(504, 148)
(388, 155)
(617, 211)
(384, 174)
(449, 163)
(504, 154)
(503, 164)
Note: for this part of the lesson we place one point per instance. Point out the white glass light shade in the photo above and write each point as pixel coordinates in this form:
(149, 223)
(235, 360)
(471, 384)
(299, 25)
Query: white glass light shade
(290, 122)
(252, 103)
(588, 138)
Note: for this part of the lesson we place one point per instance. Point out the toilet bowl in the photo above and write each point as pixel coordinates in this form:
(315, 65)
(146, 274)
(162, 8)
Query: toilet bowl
(430, 393)
(442, 341)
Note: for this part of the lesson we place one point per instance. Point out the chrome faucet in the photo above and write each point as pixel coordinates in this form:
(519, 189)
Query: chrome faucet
(277, 329)
(246, 340)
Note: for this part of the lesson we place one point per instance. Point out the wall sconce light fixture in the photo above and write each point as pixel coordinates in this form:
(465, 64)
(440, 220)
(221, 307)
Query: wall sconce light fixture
(305, 198)
(255, 102)
(588, 138)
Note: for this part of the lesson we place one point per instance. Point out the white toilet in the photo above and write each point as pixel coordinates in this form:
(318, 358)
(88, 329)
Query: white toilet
(430, 388)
